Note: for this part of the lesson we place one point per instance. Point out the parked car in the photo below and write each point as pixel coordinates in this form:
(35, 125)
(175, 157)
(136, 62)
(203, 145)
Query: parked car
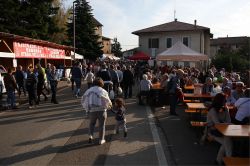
(2, 73)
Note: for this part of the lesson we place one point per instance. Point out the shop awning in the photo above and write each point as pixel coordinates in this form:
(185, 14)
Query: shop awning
(6, 55)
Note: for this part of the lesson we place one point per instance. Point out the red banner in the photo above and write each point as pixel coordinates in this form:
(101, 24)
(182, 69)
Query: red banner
(25, 50)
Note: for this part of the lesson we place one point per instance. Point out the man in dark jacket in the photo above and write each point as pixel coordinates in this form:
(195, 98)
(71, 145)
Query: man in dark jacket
(128, 80)
(10, 85)
(19, 75)
(77, 77)
(106, 77)
(31, 86)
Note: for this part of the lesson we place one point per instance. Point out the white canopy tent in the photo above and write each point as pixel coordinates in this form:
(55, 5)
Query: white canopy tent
(109, 56)
(77, 56)
(180, 52)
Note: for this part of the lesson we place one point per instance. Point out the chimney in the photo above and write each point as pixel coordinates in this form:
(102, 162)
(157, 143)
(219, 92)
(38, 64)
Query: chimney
(195, 22)
(175, 19)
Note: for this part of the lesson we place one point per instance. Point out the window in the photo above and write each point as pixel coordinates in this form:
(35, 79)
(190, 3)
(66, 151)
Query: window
(185, 41)
(153, 43)
(169, 42)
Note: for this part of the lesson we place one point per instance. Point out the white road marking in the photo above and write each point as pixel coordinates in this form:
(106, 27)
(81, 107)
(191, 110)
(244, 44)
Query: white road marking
(157, 142)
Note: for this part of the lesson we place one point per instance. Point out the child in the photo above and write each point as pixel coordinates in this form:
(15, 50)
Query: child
(119, 110)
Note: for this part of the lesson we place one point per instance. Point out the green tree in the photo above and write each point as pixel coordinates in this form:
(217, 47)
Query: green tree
(116, 48)
(37, 19)
(9, 15)
(60, 19)
(232, 61)
(88, 43)
(30, 18)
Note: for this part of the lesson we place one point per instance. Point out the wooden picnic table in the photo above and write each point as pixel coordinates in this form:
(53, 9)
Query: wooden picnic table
(189, 87)
(233, 161)
(192, 95)
(196, 106)
(231, 130)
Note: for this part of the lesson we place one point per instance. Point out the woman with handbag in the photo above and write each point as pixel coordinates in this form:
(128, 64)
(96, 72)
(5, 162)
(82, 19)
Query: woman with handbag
(218, 113)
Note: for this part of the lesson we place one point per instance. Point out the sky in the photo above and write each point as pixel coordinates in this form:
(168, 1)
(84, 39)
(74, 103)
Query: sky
(122, 17)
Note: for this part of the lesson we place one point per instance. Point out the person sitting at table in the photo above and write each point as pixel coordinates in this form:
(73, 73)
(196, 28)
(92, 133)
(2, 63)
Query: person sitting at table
(230, 99)
(145, 86)
(164, 81)
(208, 87)
(218, 113)
(226, 83)
(243, 106)
(239, 91)
(155, 83)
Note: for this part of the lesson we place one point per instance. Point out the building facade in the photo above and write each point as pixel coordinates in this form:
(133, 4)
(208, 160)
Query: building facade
(156, 39)
(229, 43)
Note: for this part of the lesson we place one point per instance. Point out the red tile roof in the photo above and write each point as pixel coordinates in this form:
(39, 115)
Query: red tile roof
(171, 26)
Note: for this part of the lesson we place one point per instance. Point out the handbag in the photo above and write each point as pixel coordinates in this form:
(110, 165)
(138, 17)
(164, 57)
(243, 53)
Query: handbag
(112, 94)
(119, 90)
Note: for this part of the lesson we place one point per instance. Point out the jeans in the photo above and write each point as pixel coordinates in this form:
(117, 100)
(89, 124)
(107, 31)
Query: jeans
(127, 90)
(225, 148)
(11, 99)
(78, 86)
(101, 116)
(53, 86)
(32, 95)
(121, 123)
(173, 102)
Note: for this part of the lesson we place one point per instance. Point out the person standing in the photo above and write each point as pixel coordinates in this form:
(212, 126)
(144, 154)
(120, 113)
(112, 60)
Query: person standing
(53, 79)
(114, 77)
(47, 71)
(89, 78)
(96, 102)
(119, 110)
(11, 86)
(31, 86)
(104, 74)
(41, 83)
(128, 80)
(172, 88)
(19, 75)
(77, 77)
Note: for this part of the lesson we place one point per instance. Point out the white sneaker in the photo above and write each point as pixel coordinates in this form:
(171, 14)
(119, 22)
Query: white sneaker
(102, 142)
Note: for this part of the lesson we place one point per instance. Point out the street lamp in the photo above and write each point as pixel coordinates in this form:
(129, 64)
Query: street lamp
(74, 28)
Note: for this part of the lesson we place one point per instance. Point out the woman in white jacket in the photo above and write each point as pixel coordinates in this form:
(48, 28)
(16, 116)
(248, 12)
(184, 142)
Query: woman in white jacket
(96, 102)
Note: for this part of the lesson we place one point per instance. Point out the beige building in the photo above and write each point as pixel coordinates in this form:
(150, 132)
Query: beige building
(229, 43)
(106, 42)
(98, 28)
(156, 39)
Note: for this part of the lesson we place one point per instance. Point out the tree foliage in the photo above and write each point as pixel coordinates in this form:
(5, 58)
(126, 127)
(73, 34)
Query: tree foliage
(30, 18)
(116, 48)
(232, 60)
(88, 43)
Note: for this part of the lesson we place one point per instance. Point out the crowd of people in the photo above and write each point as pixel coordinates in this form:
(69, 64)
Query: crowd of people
(34, 82)
(119, 78)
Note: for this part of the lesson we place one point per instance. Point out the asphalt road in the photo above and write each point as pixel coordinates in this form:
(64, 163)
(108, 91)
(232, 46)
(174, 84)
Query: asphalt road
(57, 134)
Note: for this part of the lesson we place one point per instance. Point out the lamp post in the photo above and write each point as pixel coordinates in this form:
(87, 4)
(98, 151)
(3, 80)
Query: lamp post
(74, 28)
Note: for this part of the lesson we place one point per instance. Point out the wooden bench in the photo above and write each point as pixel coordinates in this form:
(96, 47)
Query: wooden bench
(191, 101)
(236, 161)
(195, 111)
(198, 123)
